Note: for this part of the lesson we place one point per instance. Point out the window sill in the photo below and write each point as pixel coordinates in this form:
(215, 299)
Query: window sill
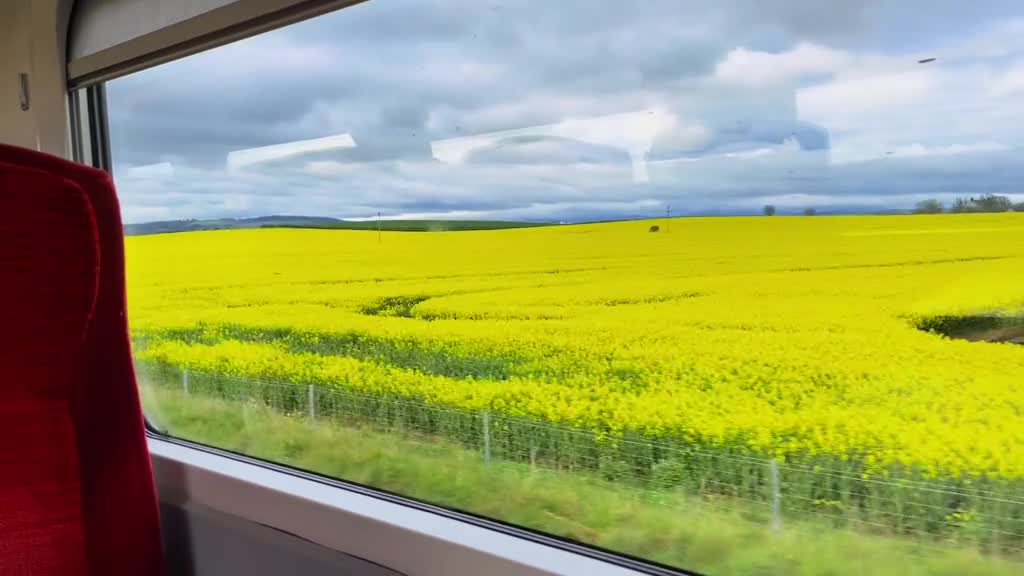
(402, 536)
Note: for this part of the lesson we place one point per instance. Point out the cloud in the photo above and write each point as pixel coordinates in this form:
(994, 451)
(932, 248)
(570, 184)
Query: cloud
(755, 68)
(917, 150)
(853, 97)
(565, 110)
(889, 108)
(1011, 83)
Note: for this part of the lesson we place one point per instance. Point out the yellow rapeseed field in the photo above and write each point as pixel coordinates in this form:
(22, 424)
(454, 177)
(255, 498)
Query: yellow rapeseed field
(791, 337)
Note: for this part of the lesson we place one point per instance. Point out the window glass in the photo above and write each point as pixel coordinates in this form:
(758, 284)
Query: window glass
(733, 286)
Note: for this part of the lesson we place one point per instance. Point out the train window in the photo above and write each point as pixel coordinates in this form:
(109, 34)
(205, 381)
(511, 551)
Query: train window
(730, 286)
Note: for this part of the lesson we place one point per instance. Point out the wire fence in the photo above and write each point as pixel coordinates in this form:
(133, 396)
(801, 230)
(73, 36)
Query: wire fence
(984, 513)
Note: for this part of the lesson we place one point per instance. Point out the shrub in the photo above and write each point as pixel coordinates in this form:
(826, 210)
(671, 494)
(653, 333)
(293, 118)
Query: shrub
(986, 203)
(930, 206)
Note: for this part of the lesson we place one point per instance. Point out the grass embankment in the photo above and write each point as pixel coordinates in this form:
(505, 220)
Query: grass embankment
(978, 512)
(714, 536)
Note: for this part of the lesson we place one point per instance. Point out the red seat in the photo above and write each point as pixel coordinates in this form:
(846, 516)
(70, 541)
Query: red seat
(76, 486)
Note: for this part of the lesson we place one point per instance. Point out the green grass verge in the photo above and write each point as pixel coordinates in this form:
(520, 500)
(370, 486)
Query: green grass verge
(715, 536)
(984, 513)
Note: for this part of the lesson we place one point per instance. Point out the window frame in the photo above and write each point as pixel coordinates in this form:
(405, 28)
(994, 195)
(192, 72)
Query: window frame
(88, 127)
(212, 26)
(382, 527)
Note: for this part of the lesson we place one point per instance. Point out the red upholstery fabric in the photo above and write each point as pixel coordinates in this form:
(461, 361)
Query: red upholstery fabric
(50, 265)
(68, 383)
(41, 522)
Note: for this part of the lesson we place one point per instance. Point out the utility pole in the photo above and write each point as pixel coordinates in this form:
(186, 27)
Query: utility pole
(668, 216)
(378, 227)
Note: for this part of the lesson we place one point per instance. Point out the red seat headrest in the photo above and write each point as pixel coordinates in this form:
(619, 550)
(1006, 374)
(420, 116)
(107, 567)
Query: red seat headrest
(70, 407)
(50, 261)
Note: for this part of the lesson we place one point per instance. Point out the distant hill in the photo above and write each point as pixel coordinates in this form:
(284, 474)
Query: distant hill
(420, 225)
(167, 226)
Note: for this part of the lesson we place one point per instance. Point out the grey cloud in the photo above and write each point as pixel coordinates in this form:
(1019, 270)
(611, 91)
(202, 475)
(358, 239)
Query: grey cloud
(549, 150)
(553, 191)
(373, 56)
(397, 75)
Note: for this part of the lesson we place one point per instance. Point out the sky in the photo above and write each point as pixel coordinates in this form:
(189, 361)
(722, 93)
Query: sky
(582, 110)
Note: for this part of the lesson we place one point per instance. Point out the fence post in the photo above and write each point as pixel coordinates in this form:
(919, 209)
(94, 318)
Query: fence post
(184, 380)
(312, 403)
(776, 497)
(487, 437)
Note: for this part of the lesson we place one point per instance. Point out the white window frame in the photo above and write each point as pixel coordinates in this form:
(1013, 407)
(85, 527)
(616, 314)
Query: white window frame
(111, 38)
(398, 533)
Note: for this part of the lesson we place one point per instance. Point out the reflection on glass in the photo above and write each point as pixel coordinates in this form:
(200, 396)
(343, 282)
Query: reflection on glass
(239, 159)
(633, 132)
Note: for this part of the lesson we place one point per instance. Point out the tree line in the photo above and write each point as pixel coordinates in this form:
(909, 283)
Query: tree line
(769, 210)
(986, 203)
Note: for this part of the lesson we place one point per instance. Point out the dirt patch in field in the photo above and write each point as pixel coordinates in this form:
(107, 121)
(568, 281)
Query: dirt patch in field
(1013, 335)
(400, 306)
(981, 328)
